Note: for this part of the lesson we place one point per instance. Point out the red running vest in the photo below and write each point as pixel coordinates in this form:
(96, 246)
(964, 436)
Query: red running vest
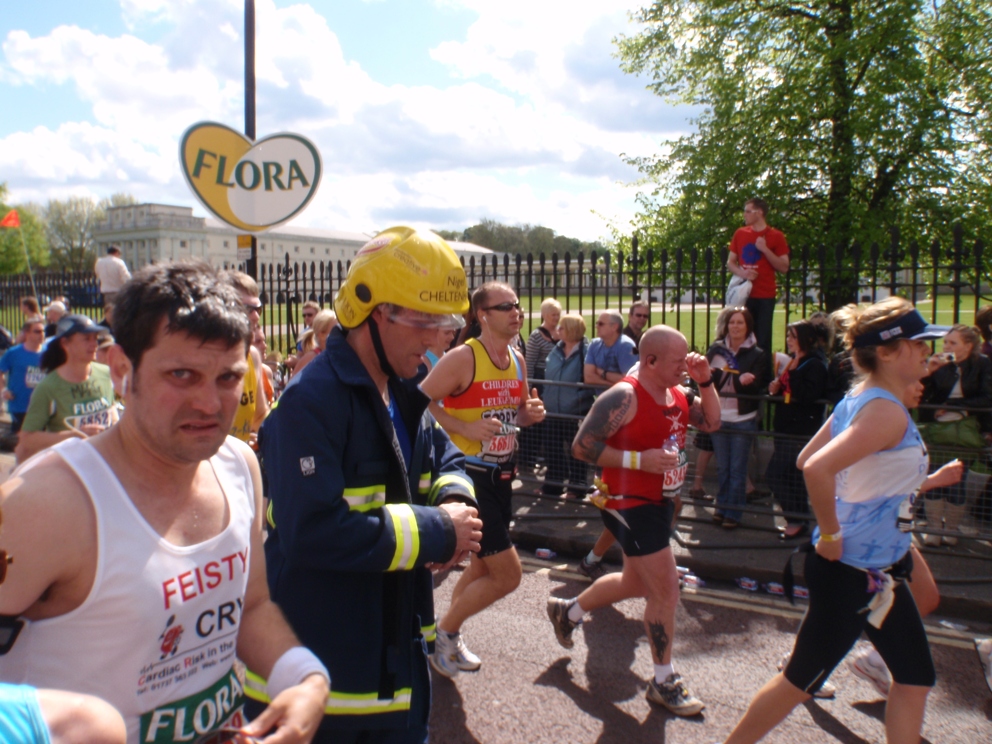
(652, 425)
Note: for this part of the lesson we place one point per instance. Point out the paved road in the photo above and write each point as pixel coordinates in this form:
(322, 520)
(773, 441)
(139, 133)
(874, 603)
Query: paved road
(531, 690)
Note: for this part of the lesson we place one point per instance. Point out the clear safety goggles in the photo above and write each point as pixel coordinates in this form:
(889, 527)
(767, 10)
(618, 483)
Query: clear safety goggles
(422, 321)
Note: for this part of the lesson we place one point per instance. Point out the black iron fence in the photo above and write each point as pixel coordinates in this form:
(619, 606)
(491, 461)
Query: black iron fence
(684, 288)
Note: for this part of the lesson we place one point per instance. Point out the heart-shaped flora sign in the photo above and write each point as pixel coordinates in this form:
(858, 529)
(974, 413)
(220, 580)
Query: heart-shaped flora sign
(252, 186)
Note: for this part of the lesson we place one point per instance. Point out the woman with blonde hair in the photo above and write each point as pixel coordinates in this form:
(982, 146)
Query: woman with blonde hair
(863, 470)
(323, 324)
(564, 364)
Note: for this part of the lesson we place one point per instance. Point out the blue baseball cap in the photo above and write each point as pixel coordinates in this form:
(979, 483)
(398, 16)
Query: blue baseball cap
(912, 326)
(71, 324)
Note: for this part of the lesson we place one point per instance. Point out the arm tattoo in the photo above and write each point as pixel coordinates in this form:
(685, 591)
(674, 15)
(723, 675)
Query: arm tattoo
(697, 416)
(603, 421)
(659, 639)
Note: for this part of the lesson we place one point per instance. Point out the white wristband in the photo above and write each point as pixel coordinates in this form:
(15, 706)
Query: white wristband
(632, 460)
(292, 668)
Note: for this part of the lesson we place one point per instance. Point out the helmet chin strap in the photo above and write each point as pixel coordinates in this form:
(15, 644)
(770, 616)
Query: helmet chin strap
(380, 352)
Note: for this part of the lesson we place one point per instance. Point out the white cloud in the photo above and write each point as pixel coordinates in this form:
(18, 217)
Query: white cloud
(541, 146)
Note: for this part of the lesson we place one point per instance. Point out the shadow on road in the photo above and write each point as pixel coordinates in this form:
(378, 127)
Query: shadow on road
(448, 712)
(612, 640)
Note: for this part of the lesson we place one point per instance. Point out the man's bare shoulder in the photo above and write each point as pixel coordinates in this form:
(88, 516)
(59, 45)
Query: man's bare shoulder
(50, 529)
(452, 373)
(47, 480)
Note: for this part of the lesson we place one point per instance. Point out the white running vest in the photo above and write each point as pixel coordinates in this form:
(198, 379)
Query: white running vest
(156, 636)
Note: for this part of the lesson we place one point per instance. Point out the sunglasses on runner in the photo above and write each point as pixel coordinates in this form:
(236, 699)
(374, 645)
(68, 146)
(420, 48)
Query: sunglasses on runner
(504, 307)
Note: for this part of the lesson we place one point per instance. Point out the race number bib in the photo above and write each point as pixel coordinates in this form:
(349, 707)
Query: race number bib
(502, 446)
(676, 477)
(105, 418)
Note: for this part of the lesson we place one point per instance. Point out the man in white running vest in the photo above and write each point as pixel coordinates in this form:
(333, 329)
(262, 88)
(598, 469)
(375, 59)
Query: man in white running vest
(139, 573)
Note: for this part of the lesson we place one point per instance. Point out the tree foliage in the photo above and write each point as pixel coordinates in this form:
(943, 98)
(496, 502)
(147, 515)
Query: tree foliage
(33, 231)
(523, 239)
(70, 224)
(851, 117)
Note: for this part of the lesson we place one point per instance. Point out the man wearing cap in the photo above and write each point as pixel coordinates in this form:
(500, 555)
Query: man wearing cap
(368, 493)
(53, 313)
(483, 384)
(112, 273)
(21, 366)
(76, 397)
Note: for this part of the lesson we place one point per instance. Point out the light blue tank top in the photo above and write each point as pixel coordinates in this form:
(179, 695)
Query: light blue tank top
(875, 495)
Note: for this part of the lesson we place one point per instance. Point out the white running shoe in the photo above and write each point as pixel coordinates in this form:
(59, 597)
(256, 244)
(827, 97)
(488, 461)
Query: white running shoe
(864, 664)
(984, 648)
(445, 655)
(465, 659)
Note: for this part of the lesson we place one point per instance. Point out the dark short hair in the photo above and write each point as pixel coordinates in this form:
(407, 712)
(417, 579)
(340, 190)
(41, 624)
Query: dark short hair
(481, 295)
(758, 203)
(113, 249)
(191, 295)
(807, 335)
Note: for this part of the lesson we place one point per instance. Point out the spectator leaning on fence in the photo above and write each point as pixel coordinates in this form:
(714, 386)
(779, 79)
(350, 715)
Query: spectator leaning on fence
(637, 321)
(76, 398)
(739, 367)
(540, 343)
(798, 416)
(564, 364)
(959, 377)
(611, 354)
(53, 313)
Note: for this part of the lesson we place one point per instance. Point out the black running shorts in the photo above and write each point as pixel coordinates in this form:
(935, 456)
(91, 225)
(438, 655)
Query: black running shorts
(642, 530)
(837, 615)
(493, 491)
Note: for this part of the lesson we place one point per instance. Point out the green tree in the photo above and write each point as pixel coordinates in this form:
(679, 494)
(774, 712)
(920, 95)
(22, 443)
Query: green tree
(850, 117)
(70, 224)
(33, 230)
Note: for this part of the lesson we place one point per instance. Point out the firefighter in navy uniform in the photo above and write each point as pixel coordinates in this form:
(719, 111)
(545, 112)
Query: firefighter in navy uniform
(368, 493)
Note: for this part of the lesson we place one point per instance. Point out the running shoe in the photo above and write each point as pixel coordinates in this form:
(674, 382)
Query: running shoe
(984, 648)
(558, 614)
(674, 695)
(445, 656)
(465, 660)
(865, 665)
(827, 690)
(592, 570)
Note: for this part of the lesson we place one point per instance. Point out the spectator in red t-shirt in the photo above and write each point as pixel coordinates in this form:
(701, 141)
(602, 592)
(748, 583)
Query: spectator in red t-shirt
(757, 251)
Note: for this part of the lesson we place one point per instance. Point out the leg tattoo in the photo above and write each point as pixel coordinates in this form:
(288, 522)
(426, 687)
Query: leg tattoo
(659, 639)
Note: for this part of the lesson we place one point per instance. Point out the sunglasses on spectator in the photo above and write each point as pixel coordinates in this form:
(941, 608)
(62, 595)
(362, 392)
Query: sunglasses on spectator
(504, 307)
(255, 307)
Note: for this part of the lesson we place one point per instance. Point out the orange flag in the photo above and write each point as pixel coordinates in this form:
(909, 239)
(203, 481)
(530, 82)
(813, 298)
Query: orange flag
(11, 220)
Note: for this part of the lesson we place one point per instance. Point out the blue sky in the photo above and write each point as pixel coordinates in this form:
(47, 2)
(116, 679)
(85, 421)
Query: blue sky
(431, 112)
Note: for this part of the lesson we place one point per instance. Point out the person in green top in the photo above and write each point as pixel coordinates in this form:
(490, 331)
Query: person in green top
(76, 397)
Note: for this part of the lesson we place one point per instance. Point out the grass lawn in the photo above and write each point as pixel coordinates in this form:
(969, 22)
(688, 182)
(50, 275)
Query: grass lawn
(697, 324)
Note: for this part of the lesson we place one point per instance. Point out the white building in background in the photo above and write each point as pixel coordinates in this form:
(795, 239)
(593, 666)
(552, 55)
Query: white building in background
(160, 232)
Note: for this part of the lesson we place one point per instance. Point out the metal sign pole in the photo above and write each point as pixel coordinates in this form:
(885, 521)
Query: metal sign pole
(251, 265)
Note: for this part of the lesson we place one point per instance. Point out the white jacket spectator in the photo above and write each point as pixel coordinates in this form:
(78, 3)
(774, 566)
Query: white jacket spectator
(112, 272)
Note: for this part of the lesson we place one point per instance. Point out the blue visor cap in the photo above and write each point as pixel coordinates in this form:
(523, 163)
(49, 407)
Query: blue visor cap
(912, 326)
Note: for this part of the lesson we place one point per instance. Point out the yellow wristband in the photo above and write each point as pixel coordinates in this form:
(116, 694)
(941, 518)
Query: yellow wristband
(836, 537)
(631, 460)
